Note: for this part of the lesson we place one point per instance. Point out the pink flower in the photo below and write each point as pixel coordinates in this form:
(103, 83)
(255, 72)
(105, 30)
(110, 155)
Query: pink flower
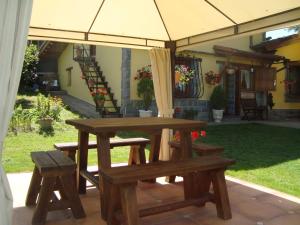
(203, 133)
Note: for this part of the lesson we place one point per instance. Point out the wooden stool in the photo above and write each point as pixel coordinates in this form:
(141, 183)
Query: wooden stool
(52, 171)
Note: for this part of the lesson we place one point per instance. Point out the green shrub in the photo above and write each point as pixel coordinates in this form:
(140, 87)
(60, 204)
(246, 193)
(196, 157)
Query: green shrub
(31, 60)
(145, 90)
(218, 98)
(21, 120)
(48, 107)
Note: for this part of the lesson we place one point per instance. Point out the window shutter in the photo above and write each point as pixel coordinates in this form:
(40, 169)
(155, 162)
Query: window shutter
(264, 79)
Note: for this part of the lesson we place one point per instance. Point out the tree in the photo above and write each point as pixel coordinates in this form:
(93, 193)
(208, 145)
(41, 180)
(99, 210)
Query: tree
(29, 76)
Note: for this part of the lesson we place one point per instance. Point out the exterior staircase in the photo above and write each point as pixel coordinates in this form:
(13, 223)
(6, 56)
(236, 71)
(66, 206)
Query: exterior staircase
(95, 80)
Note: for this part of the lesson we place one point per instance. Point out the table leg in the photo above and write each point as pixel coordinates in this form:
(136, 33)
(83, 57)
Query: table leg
(186, 151)
(82, 157)
(104, 161)
(155, 140)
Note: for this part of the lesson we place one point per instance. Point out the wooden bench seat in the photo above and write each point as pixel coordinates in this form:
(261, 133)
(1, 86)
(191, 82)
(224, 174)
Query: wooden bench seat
(52, 171)
(201, 149)
(123, 181)
(136, 155)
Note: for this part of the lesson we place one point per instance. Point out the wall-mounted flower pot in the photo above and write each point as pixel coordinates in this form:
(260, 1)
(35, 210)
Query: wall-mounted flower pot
(145, 113)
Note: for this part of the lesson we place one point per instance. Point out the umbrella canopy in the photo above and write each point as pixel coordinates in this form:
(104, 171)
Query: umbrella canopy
(151, 23)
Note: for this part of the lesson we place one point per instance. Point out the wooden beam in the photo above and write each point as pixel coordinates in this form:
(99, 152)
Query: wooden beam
(172, 46)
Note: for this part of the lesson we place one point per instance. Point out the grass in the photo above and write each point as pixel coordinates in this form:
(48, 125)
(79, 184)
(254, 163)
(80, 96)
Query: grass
(264, 155)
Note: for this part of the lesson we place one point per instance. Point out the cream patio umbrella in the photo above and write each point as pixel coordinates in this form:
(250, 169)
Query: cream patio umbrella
(153, 23)
(150, 23)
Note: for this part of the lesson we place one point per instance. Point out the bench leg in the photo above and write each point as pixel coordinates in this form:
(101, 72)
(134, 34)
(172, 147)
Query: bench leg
(221, 195)
(82, 157)
(34, 188)
(137, 155)
(114, 205)
(201, 185)
(70, 193)
(47, 188)
(174, 157)
(129, 204)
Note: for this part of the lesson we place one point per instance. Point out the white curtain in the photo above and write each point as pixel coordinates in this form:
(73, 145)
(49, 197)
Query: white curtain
(14, 23)
(162, 79)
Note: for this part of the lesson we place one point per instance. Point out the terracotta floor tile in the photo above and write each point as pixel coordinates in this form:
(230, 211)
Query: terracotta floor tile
(258, 211)
(249, 207)
(279, 202)
(285, 220)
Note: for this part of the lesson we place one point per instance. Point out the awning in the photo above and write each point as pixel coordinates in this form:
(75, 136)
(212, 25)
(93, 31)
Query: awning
(151, 23)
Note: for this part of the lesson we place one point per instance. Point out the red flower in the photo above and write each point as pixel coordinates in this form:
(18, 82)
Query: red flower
(194, 135)
(203, 133)
(177, 136)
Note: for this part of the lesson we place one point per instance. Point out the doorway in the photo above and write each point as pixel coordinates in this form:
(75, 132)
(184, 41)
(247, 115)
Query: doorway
(232, 90)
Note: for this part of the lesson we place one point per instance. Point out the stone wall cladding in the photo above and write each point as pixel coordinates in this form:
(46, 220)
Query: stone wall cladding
(282, 114)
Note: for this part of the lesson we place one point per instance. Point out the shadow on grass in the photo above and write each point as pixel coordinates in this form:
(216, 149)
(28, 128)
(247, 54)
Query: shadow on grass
(46, 132)
(254, 145)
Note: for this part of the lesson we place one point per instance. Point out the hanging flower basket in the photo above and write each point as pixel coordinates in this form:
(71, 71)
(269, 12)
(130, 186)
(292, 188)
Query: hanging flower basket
(212, 78)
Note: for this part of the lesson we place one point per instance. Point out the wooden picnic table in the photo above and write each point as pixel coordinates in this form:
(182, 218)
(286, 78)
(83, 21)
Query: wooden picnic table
(106, 128)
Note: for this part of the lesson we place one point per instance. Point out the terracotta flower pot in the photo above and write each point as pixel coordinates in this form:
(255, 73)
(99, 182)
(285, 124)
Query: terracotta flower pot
(45, 123)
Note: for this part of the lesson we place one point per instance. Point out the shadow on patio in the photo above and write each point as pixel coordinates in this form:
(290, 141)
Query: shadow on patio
(249, 206)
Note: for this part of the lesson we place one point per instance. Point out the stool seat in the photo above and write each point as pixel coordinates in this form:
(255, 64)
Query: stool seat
(53, 171)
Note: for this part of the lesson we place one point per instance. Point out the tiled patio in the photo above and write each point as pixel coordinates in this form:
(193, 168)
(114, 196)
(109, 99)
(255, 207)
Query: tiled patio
(250, 206)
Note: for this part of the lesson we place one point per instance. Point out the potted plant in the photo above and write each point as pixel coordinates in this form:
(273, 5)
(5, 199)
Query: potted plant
(99, 96)
(145, 90)
(47, 110)
(183, 75)
(218, 103)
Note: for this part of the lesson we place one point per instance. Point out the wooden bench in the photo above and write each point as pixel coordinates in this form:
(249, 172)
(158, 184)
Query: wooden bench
(201, 149)
(123, 181)
(137, 148)
(249, 106)
(53, 171)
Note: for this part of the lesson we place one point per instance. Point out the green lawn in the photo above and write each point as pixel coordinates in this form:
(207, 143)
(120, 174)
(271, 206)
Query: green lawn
(265, 155)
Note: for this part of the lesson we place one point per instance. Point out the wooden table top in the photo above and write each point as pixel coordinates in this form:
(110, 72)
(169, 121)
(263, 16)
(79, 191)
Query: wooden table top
(104, 125)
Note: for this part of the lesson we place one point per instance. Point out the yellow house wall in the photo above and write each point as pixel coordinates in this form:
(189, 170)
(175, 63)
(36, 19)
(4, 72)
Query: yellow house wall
(78, 87)
(291, 52)
(140, 58)
(209, 62)
(110, 61)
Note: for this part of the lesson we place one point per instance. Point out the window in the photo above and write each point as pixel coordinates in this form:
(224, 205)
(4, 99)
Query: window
(292, 84)
(246, 80)
(187, 80)
(69, 76)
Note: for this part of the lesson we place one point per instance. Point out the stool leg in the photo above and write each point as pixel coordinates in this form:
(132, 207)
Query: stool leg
(221, 195)
(34, 188)
(69, 190)
(114, 204)
(41, 210)
(133, 155)
(129, 204)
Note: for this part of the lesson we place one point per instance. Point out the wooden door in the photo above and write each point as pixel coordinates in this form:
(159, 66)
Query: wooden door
(264, 79)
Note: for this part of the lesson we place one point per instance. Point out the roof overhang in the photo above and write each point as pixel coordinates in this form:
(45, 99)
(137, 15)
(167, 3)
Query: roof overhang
(225, 51)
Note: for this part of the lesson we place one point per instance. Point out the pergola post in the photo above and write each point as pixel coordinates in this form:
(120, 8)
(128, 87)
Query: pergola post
(172, 46)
